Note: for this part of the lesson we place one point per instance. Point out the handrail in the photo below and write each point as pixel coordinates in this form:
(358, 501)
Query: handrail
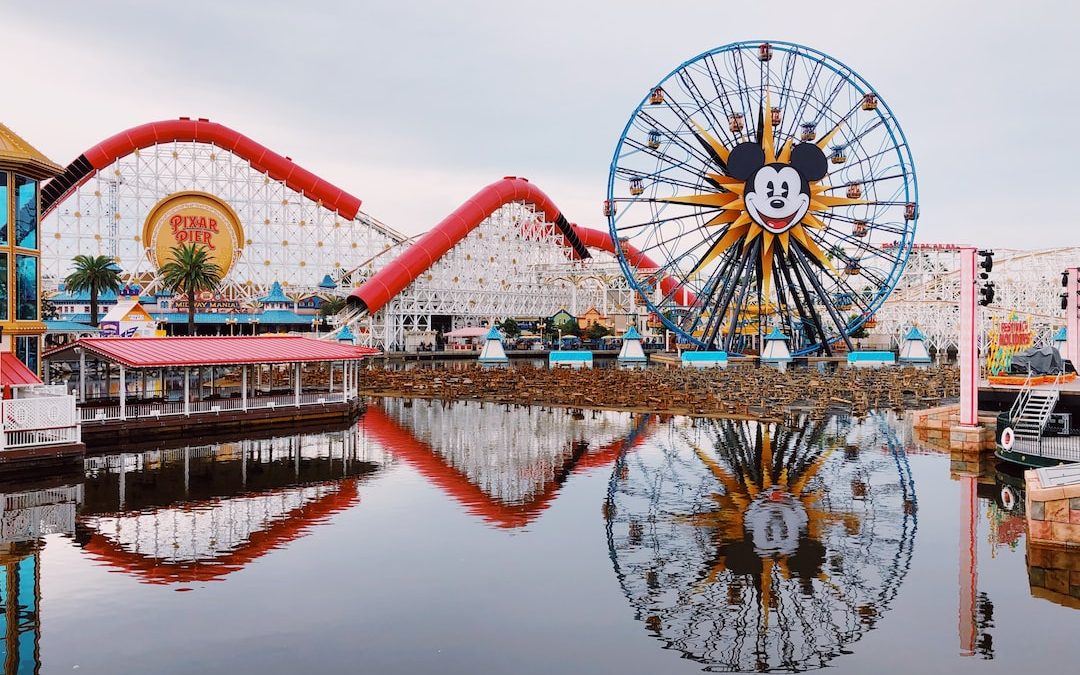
(1021, 399)
(1046, 419)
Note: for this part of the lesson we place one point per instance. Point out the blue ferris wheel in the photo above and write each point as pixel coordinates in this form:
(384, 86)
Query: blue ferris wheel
(763, 185)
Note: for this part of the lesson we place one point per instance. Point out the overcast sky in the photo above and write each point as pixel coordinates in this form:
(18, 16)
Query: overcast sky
(413, 107)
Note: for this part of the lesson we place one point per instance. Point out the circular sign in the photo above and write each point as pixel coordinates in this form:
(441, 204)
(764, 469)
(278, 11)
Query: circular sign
(1008, 437)
(193, 218)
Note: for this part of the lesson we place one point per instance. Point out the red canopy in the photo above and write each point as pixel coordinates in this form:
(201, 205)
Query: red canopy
(14, 371)
(156, 352)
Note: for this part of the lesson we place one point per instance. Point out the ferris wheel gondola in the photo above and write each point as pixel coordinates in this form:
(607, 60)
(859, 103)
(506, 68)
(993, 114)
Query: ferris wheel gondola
(763, 178)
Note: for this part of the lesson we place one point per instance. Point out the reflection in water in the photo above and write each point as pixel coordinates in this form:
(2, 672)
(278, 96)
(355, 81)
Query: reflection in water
(1053, 571)
(503, 463)
(25, 517)
(754, 546)
(200, 513)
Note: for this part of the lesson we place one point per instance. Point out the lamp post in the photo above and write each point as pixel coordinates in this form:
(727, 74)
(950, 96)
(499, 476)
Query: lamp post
(315, 326)
(231, 320)
(254, 327)
(560, 338)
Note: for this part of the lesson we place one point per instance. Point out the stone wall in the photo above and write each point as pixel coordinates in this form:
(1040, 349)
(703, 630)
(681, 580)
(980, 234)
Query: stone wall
(1054, 573)
(1053, 513)
(940, 427)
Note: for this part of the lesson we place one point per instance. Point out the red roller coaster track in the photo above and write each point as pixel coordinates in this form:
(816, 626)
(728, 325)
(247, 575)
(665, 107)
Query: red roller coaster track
(374, 293)
(399, 273)
(202, 130)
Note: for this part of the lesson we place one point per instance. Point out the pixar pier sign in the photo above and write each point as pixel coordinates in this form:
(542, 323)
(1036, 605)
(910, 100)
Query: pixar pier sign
(193, 218)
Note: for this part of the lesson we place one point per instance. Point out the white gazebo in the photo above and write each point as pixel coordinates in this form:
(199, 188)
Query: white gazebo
(493, 353)
(913, 351)
(632, 355)
(776, 348)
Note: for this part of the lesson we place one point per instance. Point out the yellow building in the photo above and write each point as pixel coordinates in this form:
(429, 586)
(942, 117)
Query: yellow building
(22, 168)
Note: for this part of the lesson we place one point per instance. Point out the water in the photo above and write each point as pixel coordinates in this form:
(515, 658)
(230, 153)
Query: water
(487, 539)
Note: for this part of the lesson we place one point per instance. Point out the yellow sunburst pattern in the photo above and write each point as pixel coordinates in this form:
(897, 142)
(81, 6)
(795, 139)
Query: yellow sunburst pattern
(739, 226)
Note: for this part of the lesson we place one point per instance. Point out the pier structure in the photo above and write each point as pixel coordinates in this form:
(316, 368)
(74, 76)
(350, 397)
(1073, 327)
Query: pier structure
(171, 384)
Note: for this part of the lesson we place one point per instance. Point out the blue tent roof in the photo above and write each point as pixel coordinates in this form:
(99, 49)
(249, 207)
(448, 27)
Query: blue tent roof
(83, 296)
(346, 335)
(494, 334)
(1061, 335)
(632, 334)
(776, 335)
(275, 295)
(915, 334)
(327, 282)
(62, 326)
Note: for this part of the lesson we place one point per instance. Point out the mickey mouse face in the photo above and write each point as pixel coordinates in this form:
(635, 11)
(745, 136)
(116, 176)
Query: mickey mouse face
(774, 198)
(777, 195)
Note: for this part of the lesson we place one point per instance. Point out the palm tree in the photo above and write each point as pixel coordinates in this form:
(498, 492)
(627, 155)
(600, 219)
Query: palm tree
(331, 306)
(96, 274)
(190, 270)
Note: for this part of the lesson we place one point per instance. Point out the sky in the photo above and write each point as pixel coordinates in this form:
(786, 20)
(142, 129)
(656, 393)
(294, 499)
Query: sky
(415, 106)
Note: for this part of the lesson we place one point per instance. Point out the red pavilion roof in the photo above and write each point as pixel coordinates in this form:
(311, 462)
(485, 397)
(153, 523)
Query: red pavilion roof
(155, 352)
(14, 371)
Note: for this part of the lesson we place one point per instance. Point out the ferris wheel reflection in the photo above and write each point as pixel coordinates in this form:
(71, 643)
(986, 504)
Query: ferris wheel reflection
(755, 546)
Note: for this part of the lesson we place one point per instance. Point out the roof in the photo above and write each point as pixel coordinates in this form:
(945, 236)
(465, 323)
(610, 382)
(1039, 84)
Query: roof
(327, 282)
(270, 317)
(707, 356)
(776, 335)
(14, 149)
(260, 157)
(872, 357)
(632, 334)
(14, 371)
(915, 334)
(1061, 334)
(82, 296)
(573, 356)
(62, 326)
(155, 352)
(276, 295)
(494, 334)
(126, 310)
(468, 332)
(346, 335)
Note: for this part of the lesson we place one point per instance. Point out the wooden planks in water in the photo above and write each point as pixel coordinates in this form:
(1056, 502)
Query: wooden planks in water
(741, 391)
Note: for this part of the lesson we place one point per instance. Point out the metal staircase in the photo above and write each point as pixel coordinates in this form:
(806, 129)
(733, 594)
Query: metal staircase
(1031, 410)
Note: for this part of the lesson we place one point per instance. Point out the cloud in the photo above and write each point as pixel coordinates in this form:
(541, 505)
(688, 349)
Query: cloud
(415, 106)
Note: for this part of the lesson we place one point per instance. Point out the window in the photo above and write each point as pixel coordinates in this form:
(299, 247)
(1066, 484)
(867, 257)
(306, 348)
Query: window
(26, 223)
(26, 349)
(3, 208)
(3, 287)
(26, 288)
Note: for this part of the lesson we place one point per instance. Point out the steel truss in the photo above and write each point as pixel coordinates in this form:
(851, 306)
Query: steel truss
(514, 264)
(289, 238)
(1027, 282)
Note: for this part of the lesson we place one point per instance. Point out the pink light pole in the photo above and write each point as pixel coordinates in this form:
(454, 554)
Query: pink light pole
(969, 366)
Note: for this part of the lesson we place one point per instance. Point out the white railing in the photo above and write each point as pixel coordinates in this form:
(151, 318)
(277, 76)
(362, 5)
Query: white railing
(38, 390)
(24, 438)
(93, 413)
(44, 420)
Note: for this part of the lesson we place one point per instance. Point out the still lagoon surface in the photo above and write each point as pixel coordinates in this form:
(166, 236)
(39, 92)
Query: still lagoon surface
(469, 538)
